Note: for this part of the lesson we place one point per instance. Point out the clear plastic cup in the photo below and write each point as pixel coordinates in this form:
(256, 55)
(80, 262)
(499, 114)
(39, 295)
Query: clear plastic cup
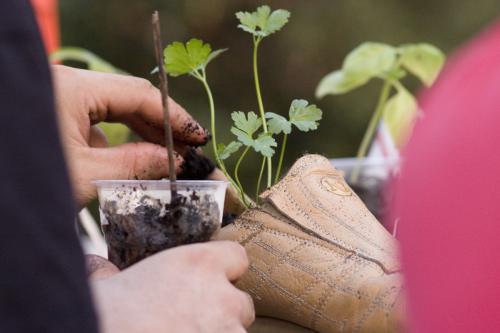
(139, 218)
(374, 173)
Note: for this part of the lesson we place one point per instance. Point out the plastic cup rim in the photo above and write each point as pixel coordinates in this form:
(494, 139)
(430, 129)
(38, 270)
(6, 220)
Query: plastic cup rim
(132, 182)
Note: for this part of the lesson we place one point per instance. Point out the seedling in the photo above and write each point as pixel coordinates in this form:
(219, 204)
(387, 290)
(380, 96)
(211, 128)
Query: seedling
(253, 131)
(389, 64)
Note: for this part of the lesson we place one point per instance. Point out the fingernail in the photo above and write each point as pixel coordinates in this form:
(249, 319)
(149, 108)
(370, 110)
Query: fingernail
(193, 133)
(208, 137)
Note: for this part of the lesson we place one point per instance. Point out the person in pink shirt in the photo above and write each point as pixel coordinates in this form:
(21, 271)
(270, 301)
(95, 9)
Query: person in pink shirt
(448, 197)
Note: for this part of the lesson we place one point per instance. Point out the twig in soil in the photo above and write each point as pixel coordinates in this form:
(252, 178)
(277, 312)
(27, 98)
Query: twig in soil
(164, 99)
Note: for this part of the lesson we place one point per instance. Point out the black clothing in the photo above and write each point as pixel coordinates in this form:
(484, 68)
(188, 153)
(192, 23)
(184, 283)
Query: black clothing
(43, 285)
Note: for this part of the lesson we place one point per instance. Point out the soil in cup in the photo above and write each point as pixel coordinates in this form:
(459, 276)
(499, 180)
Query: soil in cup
(139, 225)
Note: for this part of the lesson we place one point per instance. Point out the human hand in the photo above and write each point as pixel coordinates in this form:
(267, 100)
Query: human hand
(186, 289)
(85, 98)
(99, 267)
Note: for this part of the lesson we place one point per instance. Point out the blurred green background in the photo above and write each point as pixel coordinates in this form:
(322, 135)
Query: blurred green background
(315, 41)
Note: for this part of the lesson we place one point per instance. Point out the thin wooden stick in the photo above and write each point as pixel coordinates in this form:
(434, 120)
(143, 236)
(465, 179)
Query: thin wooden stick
(164, 99)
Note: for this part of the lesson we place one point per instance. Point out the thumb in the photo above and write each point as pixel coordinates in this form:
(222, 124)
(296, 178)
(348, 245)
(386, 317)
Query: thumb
(140, 160)
(99, 267)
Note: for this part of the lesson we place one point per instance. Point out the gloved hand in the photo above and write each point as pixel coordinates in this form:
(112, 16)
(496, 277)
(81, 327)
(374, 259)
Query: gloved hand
(318, 257)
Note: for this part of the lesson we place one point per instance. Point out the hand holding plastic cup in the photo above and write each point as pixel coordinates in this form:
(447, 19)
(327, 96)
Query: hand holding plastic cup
(139, 218)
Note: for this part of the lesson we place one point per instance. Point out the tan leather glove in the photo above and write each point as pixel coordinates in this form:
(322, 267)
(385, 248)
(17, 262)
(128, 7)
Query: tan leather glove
(318, 257)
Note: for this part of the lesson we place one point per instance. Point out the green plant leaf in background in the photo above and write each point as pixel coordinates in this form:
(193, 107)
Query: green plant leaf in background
(277, 123)
(337, 83)
(369, 60)
(188, 58)
(399, 114)
(226, 151)
(116, 134)
(262, 22)
(304, 116)
(423, 60)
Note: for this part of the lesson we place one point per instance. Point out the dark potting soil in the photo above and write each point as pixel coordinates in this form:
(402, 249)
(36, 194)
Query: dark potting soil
(154, 226)
(228, 218)
(196, 166)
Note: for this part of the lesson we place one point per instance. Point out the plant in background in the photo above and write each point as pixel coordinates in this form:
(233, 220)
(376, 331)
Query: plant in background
(390, 64)
(253, 131)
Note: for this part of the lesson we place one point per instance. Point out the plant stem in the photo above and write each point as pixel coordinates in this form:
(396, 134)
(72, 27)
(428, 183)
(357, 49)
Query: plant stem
(261, 105)
(257, 191)
(370, 131)
(282, 154)
(202, 77)
(169, 141)
(236, 170)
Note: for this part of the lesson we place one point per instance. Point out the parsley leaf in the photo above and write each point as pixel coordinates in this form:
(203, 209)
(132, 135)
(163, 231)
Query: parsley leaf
(245, 127)
(263, 144)
(304, 116)
(188, 58)
(277, 123)
(248, 124)
(262, 22)
(226, 151)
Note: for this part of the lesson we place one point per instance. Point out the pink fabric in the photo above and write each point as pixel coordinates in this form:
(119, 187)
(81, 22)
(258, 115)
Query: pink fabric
(448, 198)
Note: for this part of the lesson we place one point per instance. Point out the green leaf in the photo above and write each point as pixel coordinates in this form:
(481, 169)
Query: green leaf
(243, 137)
(245, 127)
(188, 58)
(263, 22)
(277, 123)
(247, 22)
(263, 144)
(337, 83)
(425, 61)
(214, 55)
(399, 114)
(304, 116)
(249, 123)
(116, 133)
(225, 152)
(367, 61)
(276, 21)
(395, 74)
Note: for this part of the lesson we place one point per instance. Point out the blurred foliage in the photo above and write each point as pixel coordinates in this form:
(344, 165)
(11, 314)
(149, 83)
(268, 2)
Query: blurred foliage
(319, 35)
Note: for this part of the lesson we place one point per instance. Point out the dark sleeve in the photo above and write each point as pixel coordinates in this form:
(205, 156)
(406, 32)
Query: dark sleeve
(43, 285)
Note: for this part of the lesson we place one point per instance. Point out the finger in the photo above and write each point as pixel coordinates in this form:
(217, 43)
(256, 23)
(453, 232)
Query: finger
(232, 258)
(140, 160)
(99, 268)
(247, 310)
(97, 138)
(137, 103)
